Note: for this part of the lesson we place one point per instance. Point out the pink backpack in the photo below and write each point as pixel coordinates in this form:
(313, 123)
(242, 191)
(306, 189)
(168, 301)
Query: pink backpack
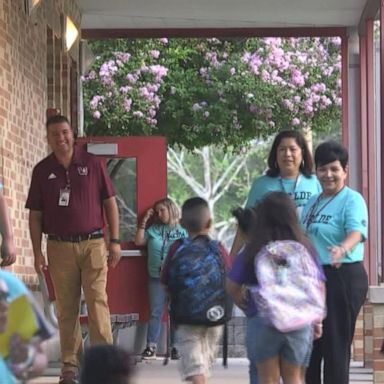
(289, 293)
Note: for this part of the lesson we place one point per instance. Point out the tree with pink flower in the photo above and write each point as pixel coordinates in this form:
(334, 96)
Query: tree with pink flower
(199, 92)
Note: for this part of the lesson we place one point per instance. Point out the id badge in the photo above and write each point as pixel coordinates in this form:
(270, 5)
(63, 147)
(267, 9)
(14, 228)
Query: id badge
(64, 197)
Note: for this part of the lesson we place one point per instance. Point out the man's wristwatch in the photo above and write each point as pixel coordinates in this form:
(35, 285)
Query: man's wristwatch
(116, 241)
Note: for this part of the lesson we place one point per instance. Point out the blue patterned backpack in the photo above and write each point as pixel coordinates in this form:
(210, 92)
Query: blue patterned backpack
(289, 293)
(196, 283)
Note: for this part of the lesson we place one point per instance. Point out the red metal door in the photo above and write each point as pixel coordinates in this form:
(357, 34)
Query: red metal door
(138, 169)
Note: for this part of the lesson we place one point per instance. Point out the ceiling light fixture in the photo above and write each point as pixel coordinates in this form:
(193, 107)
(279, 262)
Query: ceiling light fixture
(71, 33)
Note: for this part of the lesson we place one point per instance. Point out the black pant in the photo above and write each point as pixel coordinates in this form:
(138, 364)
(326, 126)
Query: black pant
(347, 288)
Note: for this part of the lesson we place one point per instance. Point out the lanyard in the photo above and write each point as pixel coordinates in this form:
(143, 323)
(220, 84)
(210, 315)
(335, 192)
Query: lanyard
(165, 237)
(68, 186)
(316, 210)
(297, 181)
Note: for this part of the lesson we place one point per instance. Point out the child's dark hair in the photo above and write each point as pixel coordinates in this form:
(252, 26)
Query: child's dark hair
(106, 364)
(244, 217)
(275, 219)
(194, 214)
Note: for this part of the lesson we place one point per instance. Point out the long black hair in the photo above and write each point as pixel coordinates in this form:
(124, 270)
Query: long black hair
(244, 217)
(306, 166)
(275, 219)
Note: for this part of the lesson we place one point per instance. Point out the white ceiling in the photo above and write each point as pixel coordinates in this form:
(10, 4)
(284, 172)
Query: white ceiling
(137, 14)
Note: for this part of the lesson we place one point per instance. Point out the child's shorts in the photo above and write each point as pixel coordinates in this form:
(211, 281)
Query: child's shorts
(197, 346)
(294, 347)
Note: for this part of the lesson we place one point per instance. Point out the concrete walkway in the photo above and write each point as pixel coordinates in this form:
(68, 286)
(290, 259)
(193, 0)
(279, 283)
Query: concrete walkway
(154, 372)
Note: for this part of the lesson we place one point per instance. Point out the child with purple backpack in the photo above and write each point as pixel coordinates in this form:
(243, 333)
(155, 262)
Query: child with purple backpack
(289, 294)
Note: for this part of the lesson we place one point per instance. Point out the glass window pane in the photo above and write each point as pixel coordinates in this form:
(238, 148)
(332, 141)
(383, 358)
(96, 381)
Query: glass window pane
(123, 176)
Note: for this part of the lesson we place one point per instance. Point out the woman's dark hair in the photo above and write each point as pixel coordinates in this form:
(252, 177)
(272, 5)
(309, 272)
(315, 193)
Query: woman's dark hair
(106, 364)
(275, 219)
(331, 151)
(245, 218)
(306, 167)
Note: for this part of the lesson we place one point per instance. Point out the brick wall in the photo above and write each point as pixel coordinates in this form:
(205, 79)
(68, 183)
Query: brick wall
(374, 333)
(24, 73)
(358, 340)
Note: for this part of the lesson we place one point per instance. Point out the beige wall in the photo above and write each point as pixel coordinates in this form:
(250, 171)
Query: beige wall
(24, 98)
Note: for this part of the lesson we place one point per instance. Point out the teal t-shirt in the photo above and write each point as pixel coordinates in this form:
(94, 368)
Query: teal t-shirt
(159, 238)
(327, 221)
(15, 289)
(300, 190)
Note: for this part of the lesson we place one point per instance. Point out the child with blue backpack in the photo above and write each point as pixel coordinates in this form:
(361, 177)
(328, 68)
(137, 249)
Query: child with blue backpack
(194, 274)
(289, 294)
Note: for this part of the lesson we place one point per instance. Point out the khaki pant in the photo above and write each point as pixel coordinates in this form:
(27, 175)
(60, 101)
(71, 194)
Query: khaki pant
(198, 345)
(74, 266)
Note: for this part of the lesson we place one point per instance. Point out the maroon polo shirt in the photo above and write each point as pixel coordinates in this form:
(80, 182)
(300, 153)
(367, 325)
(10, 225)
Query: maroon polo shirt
(89, 186)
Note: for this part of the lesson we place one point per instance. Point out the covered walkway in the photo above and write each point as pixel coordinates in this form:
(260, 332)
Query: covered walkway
(154, 372)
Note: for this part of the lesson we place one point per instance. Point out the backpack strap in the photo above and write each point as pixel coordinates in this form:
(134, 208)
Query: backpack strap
(225, 345)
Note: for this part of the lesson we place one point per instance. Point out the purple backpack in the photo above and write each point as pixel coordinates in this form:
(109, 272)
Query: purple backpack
(289, 293)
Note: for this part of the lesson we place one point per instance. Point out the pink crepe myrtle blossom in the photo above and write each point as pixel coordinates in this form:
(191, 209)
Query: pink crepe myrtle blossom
(96, 114)
(132, 78)
(295, 121)
(152, 112)
(125, 89)
(95, 101)
(123, 56)
(138, 114)
(336, 41)
(159, 71)
(127, 103)
(297, 78)
(154, 53)
(151, 121)
(288, 104)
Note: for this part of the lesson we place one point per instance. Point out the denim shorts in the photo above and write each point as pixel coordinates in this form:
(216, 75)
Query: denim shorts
(294, 347)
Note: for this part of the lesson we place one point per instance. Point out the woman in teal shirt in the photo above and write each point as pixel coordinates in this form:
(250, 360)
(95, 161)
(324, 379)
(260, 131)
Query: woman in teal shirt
(290, 168)
(158, 238)
(336, 221)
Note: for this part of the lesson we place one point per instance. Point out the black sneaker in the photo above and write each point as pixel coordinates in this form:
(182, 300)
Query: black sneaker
(149, 353)
(175, 354)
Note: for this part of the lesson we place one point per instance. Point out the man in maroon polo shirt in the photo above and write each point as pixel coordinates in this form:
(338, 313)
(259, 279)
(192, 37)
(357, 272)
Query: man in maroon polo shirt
(69, 192)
